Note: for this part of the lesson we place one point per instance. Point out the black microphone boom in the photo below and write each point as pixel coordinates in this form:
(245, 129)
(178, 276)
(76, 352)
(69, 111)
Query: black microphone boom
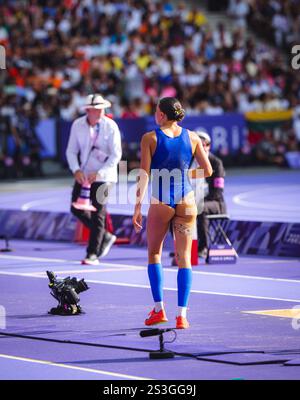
(154, 332)
(161, 353)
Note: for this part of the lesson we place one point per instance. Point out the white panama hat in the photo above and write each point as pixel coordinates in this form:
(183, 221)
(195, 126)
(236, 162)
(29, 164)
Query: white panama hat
(96, 101)
(204, 136)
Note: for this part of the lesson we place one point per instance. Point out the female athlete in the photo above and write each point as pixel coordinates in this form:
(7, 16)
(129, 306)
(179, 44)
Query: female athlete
(166, 155)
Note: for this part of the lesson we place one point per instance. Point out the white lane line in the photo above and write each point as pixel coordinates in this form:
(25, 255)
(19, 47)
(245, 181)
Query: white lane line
(247, 260)
(261, 278)
(53, 364)
(26, 274)
(39, 259)
(134, 285)
(85, 271)
(128, 266)
(196, 291)
(239, 199)
(29, 205)
(70, 262)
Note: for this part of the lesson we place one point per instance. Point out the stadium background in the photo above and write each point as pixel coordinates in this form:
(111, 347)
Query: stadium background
(228, 62)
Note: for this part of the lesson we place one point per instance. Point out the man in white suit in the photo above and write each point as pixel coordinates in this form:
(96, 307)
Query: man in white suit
(93, 153)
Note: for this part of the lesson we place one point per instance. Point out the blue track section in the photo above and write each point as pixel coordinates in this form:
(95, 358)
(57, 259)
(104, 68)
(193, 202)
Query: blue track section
(117, 304)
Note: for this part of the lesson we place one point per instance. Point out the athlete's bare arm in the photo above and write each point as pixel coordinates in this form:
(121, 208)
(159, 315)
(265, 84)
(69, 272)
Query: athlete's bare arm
(148, 144)
(201, 157)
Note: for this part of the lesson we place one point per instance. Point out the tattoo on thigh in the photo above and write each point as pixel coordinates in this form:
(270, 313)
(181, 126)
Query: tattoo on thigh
(185, 230)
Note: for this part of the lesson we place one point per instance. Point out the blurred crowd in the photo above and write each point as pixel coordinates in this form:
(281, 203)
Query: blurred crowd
(268, 147)
(277, 20)
(20, 148)
(136, 51)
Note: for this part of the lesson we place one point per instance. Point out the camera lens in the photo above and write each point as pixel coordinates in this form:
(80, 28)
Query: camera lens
(81, 286)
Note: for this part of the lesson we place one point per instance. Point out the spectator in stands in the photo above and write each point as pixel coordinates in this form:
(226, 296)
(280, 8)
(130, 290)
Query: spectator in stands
(270, 151)
(280, 24)
(132, 109)
(27, 145)
(238, 10)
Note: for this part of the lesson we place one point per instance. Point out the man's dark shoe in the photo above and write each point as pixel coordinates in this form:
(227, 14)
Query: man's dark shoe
(203, 253)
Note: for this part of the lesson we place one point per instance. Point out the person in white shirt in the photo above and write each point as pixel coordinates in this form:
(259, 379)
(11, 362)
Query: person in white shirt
(239, 10)
(93, 153)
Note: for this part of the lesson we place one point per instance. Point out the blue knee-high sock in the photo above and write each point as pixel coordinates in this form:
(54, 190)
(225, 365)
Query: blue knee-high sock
(155, 273)
(184, 284)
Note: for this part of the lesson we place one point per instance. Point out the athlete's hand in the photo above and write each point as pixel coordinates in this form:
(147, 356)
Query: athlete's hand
(79, 177)
(196, 173)
(137, 220)
(92, 177)
(191, 173)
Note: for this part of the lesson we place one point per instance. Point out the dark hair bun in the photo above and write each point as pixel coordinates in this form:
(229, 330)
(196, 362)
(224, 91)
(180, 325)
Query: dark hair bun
(172, 108)
(179, 114)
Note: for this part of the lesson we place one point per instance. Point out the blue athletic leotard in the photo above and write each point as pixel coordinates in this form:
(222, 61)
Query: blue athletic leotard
(173, 157)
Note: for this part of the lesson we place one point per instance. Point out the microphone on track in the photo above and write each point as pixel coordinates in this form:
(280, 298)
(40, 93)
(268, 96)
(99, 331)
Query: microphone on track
(162, 353)
(154, 332)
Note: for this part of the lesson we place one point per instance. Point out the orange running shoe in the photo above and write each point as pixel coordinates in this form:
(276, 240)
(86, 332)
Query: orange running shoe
(182, 323)
(156, 317)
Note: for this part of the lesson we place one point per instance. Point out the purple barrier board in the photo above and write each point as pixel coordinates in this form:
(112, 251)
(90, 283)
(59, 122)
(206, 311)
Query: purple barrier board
(247, 237)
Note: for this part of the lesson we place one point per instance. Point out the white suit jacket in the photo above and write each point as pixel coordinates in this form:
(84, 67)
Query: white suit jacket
(106, 153)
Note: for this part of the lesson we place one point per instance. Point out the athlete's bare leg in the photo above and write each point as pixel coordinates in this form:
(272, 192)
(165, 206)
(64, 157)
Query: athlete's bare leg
(183, 224)
(158, 220)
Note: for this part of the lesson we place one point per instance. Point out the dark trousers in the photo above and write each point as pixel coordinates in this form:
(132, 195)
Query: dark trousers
(210, 207)
(94, 220)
